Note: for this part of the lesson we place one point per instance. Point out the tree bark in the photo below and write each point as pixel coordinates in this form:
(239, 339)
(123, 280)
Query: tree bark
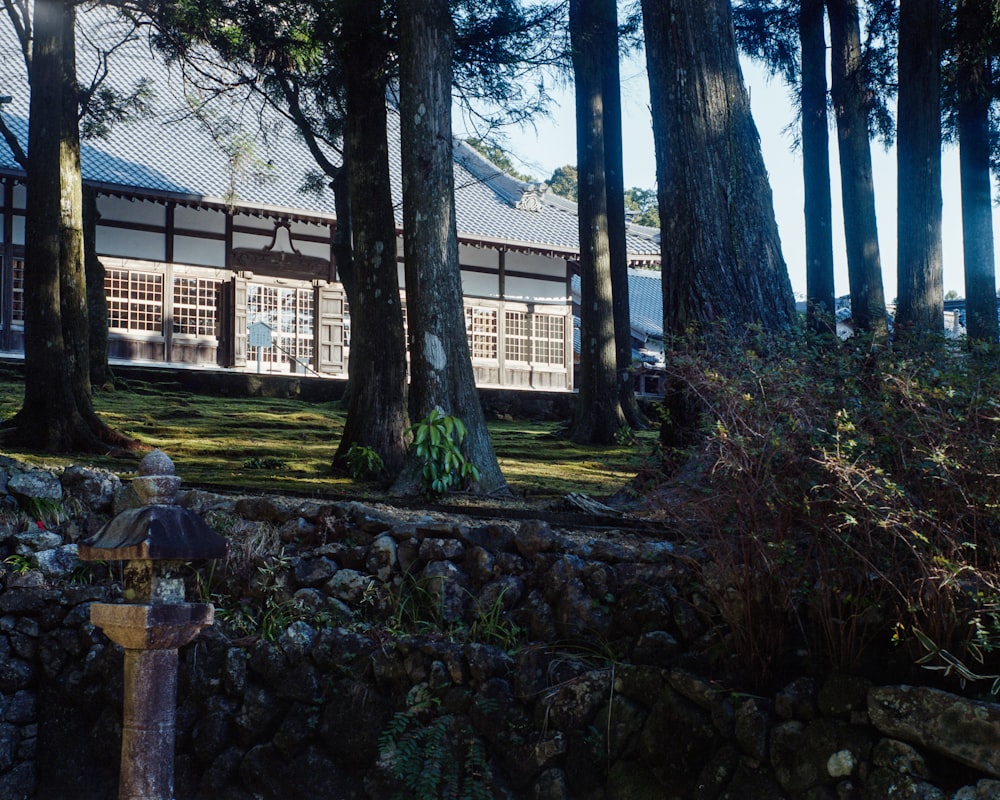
(440, 363)
(599, 415)
(920, 307)
(57, 414)
(376, 413)
(721, 252)
(97, 297)
(820, 291)
(864, 265)
(614, 172)
(975, 82)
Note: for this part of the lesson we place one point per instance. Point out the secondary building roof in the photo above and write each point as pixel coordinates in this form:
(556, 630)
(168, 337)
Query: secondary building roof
(231, 151)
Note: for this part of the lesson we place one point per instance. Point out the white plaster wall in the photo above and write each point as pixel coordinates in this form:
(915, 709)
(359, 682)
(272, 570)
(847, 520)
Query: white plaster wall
(535, 290)
(131, 244)
(120, 210)
(536, 265)
(199, 219)
(204, 252)
(252, 240)
(476, 284)
(479, 257)
(252, 221)
(310, 229)
(313, 249)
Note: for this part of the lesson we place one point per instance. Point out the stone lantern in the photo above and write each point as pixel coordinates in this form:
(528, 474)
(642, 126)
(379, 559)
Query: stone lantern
(155, 540)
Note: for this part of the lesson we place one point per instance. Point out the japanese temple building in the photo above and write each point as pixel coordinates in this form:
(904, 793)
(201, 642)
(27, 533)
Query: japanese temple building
(208, 224)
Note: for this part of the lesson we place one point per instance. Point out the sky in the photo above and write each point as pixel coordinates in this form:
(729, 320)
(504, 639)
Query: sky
(552, 144)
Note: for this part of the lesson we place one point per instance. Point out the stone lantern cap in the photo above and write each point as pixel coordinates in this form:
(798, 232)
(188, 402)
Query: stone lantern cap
(159, 530)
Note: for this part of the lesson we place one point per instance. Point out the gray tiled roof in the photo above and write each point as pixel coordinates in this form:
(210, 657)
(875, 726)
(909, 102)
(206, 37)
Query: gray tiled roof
(645, 298)
(170, 151)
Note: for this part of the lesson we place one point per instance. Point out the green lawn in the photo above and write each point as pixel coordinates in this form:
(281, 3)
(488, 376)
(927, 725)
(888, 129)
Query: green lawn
(283, 445)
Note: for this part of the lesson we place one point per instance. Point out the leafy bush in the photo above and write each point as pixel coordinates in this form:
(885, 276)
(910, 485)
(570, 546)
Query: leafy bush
(264, 462)
(845, 497)
(437, 441)
(363, 462)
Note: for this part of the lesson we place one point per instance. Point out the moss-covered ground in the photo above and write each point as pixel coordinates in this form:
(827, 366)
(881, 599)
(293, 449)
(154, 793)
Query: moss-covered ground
(287, 445)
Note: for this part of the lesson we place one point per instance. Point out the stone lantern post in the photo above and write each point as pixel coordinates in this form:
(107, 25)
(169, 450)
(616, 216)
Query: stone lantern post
(155, 540)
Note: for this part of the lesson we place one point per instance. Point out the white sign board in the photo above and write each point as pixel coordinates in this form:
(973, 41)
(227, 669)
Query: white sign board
(260, 335)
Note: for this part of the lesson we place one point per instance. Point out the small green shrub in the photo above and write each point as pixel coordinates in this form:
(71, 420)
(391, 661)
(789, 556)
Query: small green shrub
(264, 462)
(363, 463)
(437, 442)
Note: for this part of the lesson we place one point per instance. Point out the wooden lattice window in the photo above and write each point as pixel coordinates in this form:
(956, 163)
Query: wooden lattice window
(135, 300)
(17, 292)
(195, 306)
(549, 340)
(516, 336)
(481, 328)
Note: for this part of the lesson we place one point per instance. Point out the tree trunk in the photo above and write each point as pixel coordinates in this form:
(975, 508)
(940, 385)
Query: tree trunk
(920, 307)
(864, 265)
(974, 95)
(343, 248)
(820, 291)
(440, 364)
(97, 297)
(614, 175)
(721, 252)
(599, 415)
(57, 414)
(376, 412)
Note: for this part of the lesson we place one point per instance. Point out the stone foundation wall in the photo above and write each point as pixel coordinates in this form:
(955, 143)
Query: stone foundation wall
(397, 653)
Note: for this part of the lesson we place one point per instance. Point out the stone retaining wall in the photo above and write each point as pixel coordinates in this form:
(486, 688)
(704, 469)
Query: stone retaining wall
(423, 656)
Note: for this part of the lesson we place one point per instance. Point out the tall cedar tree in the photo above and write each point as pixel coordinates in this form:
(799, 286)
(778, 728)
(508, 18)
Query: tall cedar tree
(788, 37)
(614, 177)
(442, 376)
(920, 307)
(820, 293)
(977, 40)
(850, 93)
(57, 414)
(721, 252)
(377, 407)
(325, 66)
(599, 414)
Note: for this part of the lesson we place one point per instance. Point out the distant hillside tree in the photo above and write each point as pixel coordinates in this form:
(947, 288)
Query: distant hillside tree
(642, 202)
(565, 182)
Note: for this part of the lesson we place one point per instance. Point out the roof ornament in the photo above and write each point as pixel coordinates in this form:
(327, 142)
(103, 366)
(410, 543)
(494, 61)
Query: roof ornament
(531, 198)
(281, 242)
